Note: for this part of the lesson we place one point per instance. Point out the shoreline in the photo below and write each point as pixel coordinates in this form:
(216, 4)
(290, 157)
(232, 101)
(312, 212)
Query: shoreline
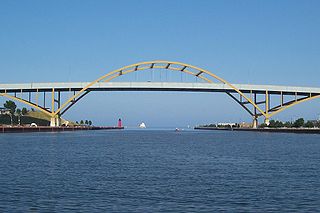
(272, 130)
(5, 129)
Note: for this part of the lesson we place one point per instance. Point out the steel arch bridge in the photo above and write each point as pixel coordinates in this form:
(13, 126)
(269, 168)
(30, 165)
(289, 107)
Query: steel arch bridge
(245, 95)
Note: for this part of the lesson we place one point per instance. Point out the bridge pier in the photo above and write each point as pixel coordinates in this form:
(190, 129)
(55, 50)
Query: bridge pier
(55, 121)
(255, 123)
(267, 121)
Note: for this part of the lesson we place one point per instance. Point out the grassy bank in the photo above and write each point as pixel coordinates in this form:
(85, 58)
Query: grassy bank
(27, 119)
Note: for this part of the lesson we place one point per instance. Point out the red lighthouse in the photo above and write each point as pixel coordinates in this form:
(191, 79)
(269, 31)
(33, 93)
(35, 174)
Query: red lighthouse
(119, 123)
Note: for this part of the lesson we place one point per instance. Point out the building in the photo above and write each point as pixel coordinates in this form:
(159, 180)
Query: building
(227, 125)
(246, 125)
(4, 111)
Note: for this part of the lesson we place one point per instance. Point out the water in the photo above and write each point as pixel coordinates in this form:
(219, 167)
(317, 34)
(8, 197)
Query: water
(159, 171)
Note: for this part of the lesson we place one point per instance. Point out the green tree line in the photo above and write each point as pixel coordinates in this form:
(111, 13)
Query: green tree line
(14, 112)
(86, 123)
(295, 124)
(17, 114)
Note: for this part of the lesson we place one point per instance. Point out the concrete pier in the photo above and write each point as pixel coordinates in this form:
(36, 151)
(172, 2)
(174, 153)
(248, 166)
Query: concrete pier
(270, 130)
(5, 129)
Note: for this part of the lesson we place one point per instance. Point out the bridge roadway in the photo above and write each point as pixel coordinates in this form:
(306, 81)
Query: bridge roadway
(158, 86)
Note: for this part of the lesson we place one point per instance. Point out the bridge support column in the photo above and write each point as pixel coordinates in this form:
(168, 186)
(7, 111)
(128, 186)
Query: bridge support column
(55, 121)
(267, 107)
(255, 123)
(267, 121)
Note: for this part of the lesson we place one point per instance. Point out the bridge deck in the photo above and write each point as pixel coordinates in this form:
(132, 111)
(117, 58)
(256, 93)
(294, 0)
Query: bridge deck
(158, 86)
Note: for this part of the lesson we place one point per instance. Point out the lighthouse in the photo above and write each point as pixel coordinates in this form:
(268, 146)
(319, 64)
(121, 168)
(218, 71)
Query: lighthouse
(119, 123)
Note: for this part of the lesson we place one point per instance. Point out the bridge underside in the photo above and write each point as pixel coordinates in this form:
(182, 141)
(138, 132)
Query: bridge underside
(157, 86)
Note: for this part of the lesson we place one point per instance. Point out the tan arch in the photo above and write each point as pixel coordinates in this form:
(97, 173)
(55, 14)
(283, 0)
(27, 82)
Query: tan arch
(27, 103)
(167, 65)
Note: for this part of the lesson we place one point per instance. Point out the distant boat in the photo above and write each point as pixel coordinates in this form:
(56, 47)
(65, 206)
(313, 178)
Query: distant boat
(142, 125)
(177, 130)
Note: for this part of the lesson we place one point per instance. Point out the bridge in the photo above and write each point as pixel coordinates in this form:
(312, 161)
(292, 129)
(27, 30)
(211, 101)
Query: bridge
(258, 100)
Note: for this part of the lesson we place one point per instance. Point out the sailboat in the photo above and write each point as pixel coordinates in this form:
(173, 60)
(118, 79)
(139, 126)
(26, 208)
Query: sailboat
(142, 125)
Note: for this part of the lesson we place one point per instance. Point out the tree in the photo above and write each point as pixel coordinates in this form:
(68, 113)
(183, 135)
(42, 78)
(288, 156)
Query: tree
(81, 122)
(298, 123)
(12, 107)
(288, 124)
(309, 124)
(19, 113)
(276, 124)
(90, 123)
(87, 122)
(24, 111)
(263, 125)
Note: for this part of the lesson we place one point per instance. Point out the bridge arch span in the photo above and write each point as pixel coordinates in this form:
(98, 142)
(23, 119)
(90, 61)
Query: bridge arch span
(162, 65)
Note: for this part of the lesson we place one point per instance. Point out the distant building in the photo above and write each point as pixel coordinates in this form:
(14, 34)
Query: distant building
(4, 111)
(227, 124)
(246, 125)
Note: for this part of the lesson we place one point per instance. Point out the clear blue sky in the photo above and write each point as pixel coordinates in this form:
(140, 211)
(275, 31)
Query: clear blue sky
(259, 42)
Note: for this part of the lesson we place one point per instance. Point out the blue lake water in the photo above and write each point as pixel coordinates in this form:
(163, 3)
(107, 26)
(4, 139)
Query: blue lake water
(159, 171)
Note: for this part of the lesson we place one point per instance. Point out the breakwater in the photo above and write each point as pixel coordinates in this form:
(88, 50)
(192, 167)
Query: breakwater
(6, 129)
(275, 130)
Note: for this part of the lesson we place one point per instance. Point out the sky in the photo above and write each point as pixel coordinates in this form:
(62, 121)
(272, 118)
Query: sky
(248, 41)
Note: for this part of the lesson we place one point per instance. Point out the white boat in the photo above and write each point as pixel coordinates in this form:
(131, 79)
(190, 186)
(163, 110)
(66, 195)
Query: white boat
(142, 125)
